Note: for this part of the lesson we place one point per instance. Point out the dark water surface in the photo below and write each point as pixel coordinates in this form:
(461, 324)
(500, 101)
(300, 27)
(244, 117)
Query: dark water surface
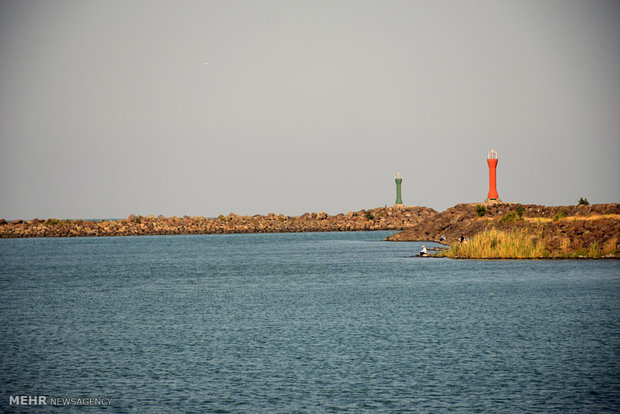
(311, 322)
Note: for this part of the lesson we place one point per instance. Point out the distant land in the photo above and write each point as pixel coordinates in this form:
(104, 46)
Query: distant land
(382, 218)
(501, 230)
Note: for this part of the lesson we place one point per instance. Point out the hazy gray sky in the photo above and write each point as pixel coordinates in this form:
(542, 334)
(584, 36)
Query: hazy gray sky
(107, 107)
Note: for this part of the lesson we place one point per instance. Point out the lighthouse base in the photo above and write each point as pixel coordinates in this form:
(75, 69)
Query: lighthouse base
(399, 206)
(493, 201)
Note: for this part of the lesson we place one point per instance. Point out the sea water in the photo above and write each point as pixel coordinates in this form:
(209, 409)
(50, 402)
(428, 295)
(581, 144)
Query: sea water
(308, 322)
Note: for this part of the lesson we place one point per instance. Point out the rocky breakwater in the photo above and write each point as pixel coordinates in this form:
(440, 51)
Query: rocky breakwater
(562, 229)
(383, 218)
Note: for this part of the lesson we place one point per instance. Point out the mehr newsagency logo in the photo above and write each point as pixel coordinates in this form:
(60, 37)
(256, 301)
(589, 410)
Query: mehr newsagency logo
(40, 400)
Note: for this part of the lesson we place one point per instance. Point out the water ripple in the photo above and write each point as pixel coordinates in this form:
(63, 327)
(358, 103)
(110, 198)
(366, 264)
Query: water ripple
(327, 322)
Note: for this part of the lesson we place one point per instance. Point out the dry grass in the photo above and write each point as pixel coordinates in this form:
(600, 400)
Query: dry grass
(569, 218)
(528, 219)
(594, 251)
(611, 245)
(566, 245)
(594, 217)
(524, 244)
(537, 219)
(495, 244)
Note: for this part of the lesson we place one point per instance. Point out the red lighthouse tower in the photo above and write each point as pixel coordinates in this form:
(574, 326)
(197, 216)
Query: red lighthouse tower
(492, 162)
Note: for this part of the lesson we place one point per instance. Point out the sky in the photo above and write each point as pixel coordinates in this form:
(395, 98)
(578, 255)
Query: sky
(111, 108)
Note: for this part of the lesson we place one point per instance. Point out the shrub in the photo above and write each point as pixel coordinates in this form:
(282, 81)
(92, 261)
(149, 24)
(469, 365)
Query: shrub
(510, 217)
(481, 210)
(52, 221)
(610, 246)
(595, 250)
(560, 214)
(520, 210)
(369, 215)
(584, 201)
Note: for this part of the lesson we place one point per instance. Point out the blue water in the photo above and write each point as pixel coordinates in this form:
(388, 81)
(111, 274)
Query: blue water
(311, 322)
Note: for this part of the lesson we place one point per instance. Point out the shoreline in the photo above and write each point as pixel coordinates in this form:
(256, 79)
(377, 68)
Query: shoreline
(490, 259)
(534, 232)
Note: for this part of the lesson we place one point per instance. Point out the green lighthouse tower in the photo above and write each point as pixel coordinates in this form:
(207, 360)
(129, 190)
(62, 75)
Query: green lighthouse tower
(399, 180)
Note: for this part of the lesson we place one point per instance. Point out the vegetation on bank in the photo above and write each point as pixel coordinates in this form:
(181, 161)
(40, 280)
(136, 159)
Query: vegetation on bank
(523, 244)
(594, 251)
(495, 244)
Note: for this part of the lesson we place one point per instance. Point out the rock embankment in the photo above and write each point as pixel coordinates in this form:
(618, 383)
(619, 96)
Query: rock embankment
(561, 228)
(382, 218)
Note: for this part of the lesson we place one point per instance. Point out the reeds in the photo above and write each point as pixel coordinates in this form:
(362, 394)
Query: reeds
(495, 244)
(527, 244)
